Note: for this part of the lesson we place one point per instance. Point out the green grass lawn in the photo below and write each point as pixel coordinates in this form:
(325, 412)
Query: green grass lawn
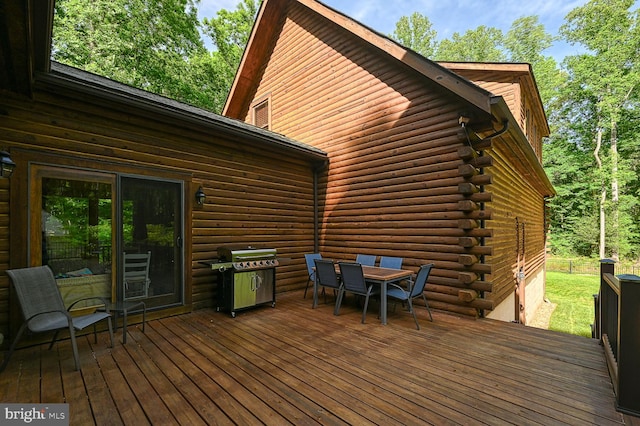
(573, 295)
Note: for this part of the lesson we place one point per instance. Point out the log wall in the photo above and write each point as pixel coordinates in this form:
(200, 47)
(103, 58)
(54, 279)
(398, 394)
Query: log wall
(519, 97)
(257, 196)
(403, 179)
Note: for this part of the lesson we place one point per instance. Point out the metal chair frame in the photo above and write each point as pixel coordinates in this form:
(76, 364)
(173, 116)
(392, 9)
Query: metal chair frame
(416, 289)
(43, 309)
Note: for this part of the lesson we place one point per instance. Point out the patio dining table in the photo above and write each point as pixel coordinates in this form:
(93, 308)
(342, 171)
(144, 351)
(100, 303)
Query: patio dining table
(376, 275)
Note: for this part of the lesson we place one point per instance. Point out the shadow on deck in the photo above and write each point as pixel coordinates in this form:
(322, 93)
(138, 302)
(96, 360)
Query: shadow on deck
(295, 365)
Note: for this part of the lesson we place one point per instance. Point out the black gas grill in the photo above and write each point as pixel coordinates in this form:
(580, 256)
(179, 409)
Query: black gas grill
(246, 277)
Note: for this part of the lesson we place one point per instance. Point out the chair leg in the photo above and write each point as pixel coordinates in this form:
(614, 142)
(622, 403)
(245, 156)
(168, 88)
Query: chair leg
(74, 346)
(336, 311)
(427, 305)
(111, 327)
(7, 356)
(366, 305)
(413, 312)
(306, 288)
(53, 340)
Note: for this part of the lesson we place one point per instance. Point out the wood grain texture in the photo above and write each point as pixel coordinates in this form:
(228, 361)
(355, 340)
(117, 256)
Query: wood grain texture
(297, 365)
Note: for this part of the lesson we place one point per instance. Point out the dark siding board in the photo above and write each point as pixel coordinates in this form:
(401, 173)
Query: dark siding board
(254, 195)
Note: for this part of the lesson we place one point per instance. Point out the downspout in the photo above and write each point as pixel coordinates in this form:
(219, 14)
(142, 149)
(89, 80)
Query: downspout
(317, 168)
(505, 127)
(316, 237)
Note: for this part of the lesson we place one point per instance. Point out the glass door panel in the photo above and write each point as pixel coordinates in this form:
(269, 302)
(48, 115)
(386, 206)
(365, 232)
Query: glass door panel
(151, 224)
(73, 231)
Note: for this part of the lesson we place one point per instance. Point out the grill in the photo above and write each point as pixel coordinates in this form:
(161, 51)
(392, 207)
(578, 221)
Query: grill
(246, 277)
(245, 258)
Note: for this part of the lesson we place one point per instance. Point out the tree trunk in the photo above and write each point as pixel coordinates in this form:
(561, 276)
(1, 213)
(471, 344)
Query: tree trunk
(615, 231)
(603, 195)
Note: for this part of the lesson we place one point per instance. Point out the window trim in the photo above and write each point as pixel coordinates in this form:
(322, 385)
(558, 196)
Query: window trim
(266, 99)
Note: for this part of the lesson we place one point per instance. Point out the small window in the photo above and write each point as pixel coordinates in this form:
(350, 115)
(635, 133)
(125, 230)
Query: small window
(261, 114)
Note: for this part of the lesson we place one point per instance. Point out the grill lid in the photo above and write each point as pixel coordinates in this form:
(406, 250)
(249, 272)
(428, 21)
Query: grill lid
(245, 253)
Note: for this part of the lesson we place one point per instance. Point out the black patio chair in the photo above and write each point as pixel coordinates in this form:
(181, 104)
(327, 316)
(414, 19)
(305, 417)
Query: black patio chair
(43, 309)
(353, 281)
(326, 276)
(416, 290)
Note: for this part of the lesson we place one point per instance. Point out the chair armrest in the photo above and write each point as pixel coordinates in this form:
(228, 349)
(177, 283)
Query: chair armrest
(102, 299)
(396, 286)
(55, 311)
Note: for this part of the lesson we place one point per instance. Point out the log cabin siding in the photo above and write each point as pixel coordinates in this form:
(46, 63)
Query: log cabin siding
(392, 187)
(518, 93)
(515, 201)
(255, 194)
(403, 179)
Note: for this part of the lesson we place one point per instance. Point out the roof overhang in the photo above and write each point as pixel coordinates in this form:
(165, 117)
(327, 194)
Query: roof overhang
(25, 42)
(87, 86)
(511, 69)
(522, 148)
(268, 24)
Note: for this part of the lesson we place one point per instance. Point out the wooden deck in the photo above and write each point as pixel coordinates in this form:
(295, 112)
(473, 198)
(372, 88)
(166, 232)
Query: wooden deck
(295, 365)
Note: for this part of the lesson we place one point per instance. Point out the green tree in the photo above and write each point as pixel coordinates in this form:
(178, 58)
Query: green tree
(416, 32)
(608, 76)
(484, 44)
(526, 42)
(144, 43)
(230, 32)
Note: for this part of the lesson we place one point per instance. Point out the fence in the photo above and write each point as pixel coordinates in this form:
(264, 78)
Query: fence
(587, 266)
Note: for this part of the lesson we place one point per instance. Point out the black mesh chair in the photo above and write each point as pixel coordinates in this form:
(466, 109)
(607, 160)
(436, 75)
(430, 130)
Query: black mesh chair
(353, 281)
(326, 276)
(416, 290)
(43, 309)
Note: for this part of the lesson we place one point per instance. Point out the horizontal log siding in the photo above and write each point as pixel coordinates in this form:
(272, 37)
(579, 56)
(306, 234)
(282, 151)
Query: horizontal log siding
(513, 198)
(518, 97)
(253, 195)
(392, 184)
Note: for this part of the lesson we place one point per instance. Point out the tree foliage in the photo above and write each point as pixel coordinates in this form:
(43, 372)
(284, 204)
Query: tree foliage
(416, 32)
(155, 45)
(483, 44)
(606, 78)
(229, 32)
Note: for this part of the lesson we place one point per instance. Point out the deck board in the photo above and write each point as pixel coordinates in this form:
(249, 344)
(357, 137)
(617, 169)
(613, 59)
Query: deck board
(297, 365)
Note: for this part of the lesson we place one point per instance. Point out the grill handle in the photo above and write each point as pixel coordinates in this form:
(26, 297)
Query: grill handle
(256, 257)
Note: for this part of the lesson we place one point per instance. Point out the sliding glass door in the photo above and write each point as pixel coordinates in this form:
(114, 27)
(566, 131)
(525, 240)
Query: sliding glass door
(82, 223)
(151, 224)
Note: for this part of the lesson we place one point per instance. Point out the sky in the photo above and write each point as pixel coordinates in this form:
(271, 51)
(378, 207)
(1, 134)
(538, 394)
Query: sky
(446, 16)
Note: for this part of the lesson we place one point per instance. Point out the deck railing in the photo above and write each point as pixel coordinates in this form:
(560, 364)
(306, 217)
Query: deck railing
(617, 325)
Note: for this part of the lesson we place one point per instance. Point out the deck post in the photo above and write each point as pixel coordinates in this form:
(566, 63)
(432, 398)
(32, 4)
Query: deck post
(628, 395)
(607, 312)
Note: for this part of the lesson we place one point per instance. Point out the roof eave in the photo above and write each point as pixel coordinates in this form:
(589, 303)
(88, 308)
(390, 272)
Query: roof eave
(75, 80)
(502, 113)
